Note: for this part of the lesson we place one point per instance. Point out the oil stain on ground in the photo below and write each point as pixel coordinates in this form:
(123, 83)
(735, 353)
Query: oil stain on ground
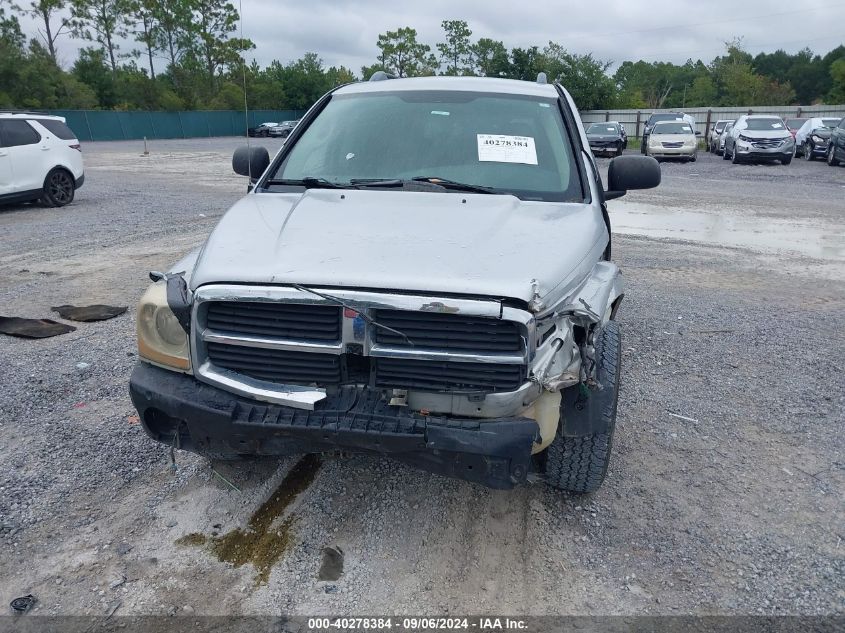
(260, 543)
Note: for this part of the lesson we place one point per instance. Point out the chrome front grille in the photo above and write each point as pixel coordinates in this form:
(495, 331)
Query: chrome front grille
(672, 145)
(277, 366)
(427, 375)
(287, 346)
(315, 323)
(767, 143)
(447, 332)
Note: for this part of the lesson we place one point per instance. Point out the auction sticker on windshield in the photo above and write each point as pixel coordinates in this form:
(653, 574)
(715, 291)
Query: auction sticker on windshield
(502, 148)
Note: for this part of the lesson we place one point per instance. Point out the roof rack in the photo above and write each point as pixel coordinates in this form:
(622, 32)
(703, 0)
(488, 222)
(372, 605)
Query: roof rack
(39, 112)
(380, 75)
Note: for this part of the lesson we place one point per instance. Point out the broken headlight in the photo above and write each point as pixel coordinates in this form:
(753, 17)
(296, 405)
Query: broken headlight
(161, 340)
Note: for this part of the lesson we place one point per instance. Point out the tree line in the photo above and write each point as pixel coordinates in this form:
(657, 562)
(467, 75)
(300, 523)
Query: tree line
(187, 54)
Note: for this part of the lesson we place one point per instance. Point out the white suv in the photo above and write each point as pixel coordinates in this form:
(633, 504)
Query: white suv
(40, 159)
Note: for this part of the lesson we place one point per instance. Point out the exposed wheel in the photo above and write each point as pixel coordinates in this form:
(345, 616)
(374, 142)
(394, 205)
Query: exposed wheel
(786, 161)
(693, 158)
(59, 188)
(620, 150)
(807, 152)
(734, 157)
(725, 155)
(579, 463)
(831, 156)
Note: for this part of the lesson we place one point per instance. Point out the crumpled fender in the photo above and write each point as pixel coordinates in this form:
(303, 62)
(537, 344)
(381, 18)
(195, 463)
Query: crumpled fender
(596, 296)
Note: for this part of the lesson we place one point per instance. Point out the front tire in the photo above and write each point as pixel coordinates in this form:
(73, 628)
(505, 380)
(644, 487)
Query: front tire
(734, 157)
(831, 156)
(807, 151)
(578, 464)
(786, 160)
(59, 188)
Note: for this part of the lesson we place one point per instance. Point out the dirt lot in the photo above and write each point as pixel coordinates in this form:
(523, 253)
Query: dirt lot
(734, 318)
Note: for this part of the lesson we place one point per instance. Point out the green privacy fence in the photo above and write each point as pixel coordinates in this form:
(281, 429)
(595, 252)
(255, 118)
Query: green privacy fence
(109, 125)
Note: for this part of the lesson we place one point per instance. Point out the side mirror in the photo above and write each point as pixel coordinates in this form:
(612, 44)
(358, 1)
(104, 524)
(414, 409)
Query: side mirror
(250, 161)
(631, 172)
(697, 133)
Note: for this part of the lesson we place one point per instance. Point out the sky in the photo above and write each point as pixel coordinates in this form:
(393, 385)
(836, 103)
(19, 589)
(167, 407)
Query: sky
(344, 32)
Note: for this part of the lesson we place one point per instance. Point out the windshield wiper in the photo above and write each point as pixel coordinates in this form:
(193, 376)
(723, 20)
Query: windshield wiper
(366, 318)
(308, 182)
(457, 186)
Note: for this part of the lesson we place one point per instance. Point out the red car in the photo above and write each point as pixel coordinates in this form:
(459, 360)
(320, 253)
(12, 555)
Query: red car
(793, 125)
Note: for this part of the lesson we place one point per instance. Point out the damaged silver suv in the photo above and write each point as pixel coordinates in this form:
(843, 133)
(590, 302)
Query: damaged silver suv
(422, 271)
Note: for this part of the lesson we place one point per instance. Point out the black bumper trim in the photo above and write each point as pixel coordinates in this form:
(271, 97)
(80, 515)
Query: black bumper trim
(79, 182)
(495, 453)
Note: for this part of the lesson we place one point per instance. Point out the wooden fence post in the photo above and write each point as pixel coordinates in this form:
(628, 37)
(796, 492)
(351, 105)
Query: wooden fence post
(637, 132)
(707, 125)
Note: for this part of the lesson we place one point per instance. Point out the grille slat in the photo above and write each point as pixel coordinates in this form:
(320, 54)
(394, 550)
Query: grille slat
(448, 332)
(447, 376)
(298, 368)
(306, 322)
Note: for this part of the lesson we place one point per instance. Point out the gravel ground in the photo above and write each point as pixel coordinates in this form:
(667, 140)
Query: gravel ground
(735, 510)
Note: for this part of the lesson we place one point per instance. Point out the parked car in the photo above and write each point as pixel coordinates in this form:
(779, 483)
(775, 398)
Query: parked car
(673, 139)
(715, 132)
(607, 138)
(794, 124)
(435, 284)
(262, 130)
(283, 129)
(720, 149)
(759, 137)
(836, 146)
(663, 116)
(811, 139)
(40, 159)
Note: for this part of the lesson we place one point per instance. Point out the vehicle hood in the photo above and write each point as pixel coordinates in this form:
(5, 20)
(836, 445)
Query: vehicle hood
(761, 134)
(604, 137)
(822, 132)
(672, 138)
(449, 243)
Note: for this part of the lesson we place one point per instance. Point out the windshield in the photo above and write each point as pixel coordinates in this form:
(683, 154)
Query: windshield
(672, 128)
(721, 126)
(509, 143)
(794, 124)
(764, 124)
(830, 122)
(602, 128)
(654, 118)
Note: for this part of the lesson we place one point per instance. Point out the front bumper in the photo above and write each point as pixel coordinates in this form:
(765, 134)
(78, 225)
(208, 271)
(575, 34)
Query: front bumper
(79, 181)
(760, 153)
(672, 152)
(176, 408)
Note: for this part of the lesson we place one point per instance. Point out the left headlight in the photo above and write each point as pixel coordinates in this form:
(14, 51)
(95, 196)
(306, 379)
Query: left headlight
(161, 340)
(817, 139)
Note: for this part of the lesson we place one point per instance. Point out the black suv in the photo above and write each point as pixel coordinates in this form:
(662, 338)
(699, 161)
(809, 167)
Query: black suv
(836, 145)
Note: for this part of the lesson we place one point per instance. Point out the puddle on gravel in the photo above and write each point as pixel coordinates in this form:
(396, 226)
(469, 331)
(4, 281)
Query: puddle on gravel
(332, 566)
(745, 231)
(262, 543)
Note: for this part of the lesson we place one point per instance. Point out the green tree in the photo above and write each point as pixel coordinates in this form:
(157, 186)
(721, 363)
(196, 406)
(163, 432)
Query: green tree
(214, 22)
(527, 63)
(703, 92)
(456, 51)
(101, 21)
(402, 55)
(91, 69)
(837, 84)
(174, 24)
(49, 14)
(490, 58)
(146, 28)
(583, 76)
